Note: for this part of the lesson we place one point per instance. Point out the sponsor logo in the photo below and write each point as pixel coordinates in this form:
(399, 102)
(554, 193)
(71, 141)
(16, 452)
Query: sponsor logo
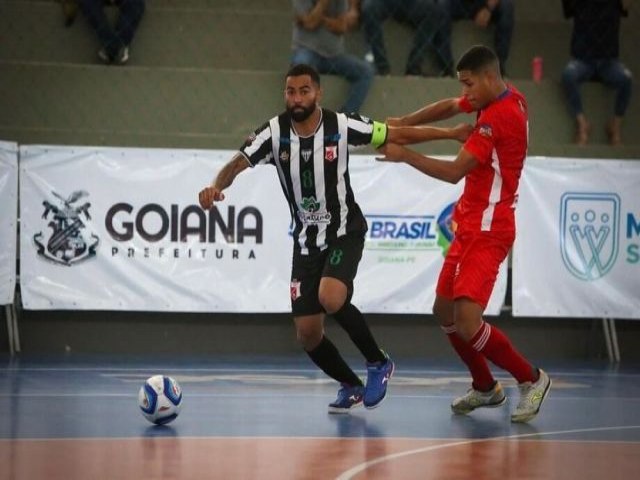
(589, 233)
(294, 289)
(284, 156)
(306, 154)
(331, 153)
(445, 228)
(310, 204)
(310, 213)
(155, 231)
(399, 228)
(68, 240)
(400, 238)
(403, 238)
(485, 130)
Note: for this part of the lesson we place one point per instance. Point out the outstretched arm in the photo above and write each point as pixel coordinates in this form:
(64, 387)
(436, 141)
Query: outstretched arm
(440, 110)
(409, 135)
(448, 171)
(213, 193)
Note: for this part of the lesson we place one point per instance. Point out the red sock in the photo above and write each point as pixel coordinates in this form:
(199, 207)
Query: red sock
(477, 364)
(496, 347)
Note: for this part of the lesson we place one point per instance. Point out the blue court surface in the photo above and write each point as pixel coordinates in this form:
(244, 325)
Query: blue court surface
(591, 408)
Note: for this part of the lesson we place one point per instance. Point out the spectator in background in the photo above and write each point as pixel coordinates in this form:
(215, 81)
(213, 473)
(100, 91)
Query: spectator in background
(594, 56)
(499, 13)
(428, 17)
(318, 40)
(114, 41)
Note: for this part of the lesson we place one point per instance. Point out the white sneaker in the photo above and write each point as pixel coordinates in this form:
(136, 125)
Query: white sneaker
(531, 397)
(123, 56)
(477, 399)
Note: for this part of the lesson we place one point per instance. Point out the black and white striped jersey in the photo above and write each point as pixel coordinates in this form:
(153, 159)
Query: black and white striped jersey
(314, 172)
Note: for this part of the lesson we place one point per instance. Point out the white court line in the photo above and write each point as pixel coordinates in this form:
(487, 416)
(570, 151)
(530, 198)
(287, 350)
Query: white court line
(406, 371)
(349, 474)
(313, 438)
(444, 397)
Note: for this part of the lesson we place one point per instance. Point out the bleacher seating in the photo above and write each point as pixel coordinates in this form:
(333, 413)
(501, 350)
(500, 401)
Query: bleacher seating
(204, 72)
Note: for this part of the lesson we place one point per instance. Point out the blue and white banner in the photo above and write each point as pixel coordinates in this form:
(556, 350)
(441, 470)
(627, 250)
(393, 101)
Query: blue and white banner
(577, 253)
(120, 229)
(409, 233)
(8, 220)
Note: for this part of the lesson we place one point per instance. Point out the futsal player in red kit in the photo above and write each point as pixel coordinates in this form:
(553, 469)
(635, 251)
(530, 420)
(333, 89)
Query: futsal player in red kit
(490, 161)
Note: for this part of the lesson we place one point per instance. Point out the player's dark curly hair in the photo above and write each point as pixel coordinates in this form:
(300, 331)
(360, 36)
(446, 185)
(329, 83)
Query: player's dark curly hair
(477, 58)
(304, 69)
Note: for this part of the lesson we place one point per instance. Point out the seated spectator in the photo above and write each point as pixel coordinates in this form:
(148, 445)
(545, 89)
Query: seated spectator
(427, 17)
(594, 56)
(499, 13)
(318, 40)
(114, 41)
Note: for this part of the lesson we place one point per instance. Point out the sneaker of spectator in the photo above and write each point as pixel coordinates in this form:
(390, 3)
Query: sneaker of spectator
(115, 39)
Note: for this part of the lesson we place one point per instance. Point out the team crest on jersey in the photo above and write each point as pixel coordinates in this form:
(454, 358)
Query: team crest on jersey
(284, 156)
(306, 154)
(330, 153)
(485, 130)
(294, 290)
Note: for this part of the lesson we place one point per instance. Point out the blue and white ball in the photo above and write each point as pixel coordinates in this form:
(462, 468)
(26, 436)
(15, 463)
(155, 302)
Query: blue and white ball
(160, 399)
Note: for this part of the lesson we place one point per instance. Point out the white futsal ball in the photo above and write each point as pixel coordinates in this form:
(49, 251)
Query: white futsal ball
(160, 399)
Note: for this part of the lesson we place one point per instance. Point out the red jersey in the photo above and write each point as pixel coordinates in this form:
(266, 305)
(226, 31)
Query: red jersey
(499, 144)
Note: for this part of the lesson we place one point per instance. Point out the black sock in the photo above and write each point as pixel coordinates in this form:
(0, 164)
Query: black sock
(328, 358)
(353, 322)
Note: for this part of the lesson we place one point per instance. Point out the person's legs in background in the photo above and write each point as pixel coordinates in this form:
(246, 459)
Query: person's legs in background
(306, 56)
(503, 19)
(430, 19)
(110, 44)
(373, 14)
(615, 75)
(357, 72)
(451, 10)
(131, 12)
(575, 73)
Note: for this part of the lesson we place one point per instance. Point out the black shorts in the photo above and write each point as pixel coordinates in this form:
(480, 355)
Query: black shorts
(340, 260)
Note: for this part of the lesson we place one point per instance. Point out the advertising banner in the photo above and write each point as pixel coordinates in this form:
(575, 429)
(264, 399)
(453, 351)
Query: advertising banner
(8, 220)
(577, 253)
(120, 229)
(409, 233)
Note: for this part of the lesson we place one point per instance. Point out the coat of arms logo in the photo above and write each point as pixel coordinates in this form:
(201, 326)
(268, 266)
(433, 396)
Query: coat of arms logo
(67, 242)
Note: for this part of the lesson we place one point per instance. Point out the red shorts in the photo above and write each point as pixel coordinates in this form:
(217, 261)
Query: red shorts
(471, 266)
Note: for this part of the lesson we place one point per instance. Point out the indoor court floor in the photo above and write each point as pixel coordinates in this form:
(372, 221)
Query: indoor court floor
(76, 418)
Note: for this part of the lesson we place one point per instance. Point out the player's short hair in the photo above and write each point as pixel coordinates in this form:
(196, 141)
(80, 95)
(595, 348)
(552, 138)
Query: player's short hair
(304, 69)
(478, 58)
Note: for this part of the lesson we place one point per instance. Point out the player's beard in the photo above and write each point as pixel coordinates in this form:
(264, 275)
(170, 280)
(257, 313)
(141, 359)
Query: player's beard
(300, 113)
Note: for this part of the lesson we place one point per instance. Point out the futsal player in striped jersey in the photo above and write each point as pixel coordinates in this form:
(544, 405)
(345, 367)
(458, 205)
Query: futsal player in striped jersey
(491, 162)
(309, 147)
